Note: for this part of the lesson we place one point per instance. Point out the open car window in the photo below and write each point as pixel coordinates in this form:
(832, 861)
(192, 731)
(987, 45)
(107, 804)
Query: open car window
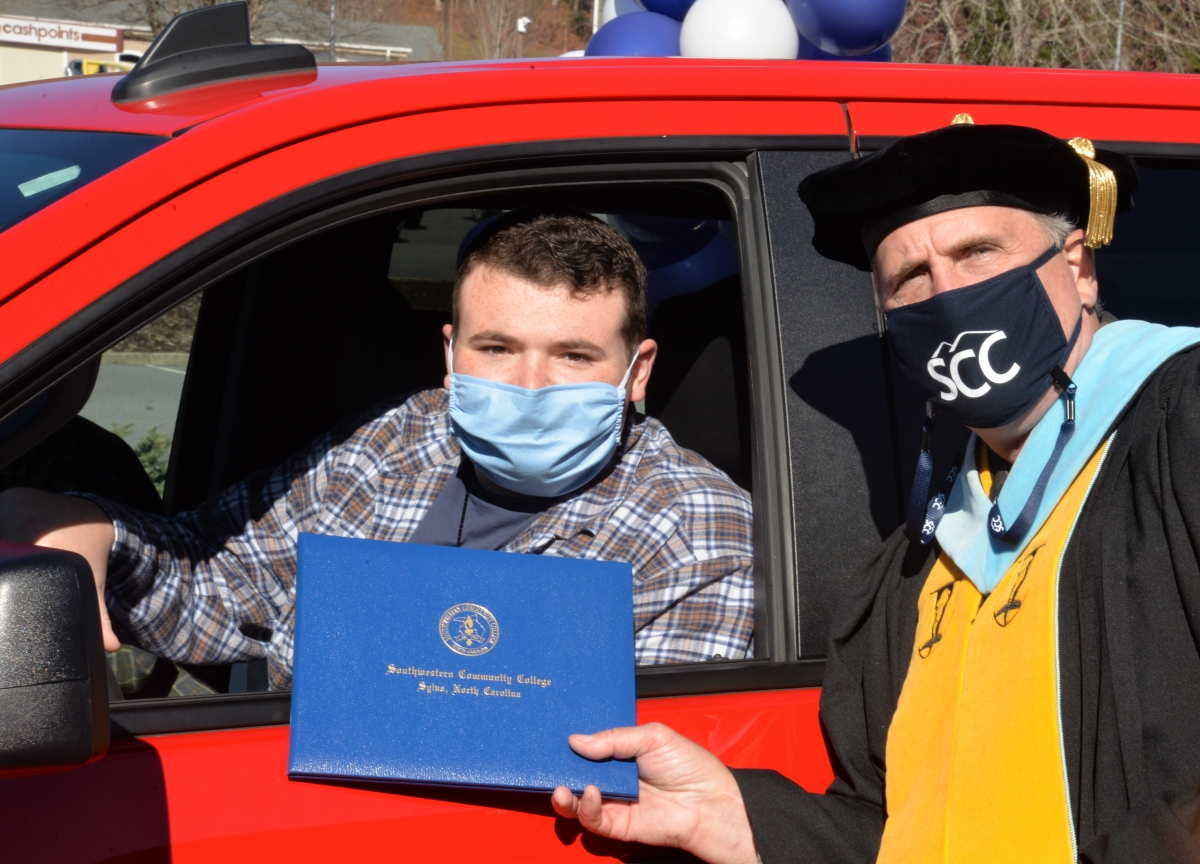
(119, 447)
(265, 361)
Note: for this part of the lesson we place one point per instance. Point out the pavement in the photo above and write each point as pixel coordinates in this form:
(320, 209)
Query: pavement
(143, 395)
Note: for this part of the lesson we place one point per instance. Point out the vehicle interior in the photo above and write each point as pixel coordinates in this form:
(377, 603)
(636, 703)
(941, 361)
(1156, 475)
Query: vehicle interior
(275, 354)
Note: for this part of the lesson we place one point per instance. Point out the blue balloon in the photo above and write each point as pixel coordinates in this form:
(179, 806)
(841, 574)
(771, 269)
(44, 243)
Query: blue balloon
(661, 241)
(716, 261)
(809, 51)
(671, 8)
(681, 255)
(847, 28)
(636, 34)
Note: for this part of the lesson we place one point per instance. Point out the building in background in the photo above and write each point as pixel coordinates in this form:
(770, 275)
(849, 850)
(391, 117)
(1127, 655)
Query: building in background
(44, 46)
(52, 38)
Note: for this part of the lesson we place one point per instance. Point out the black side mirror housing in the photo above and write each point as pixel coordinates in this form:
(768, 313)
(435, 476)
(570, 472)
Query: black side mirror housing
(53, 676)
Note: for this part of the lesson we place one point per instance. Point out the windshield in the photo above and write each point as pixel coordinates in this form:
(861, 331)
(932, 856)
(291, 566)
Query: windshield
(37, 166)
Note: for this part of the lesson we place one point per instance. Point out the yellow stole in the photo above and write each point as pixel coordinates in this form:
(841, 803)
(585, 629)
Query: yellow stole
(975, 769)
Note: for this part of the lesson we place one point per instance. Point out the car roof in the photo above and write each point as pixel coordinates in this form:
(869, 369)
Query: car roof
(374, 90)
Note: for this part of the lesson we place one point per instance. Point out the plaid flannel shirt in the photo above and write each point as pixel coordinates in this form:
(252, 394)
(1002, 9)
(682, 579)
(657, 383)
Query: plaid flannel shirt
(217, 584)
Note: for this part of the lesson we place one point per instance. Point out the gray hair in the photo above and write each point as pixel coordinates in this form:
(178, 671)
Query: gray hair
(1056, 227)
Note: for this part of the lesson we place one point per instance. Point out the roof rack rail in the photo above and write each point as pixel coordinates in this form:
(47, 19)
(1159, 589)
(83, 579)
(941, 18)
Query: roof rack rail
(205, 46)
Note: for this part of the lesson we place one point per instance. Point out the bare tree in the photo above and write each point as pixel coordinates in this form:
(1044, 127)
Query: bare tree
(156, 13)
(1153, 34)
(358, 10)
(496, 27)
(930, 33)
(1163, 35)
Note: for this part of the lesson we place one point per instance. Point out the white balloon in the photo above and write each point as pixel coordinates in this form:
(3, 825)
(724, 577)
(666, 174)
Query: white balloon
(744, 29)
(613, 8)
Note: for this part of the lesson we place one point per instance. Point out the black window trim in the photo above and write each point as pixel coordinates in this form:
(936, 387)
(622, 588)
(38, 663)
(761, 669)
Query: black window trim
(1137, 149)
(442, 178)
(251, 710)
(775, 605)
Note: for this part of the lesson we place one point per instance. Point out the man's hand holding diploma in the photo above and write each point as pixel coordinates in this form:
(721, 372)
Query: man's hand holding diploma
(687, 798)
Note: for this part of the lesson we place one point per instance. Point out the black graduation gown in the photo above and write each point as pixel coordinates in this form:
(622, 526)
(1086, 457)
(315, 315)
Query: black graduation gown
(1129, 643)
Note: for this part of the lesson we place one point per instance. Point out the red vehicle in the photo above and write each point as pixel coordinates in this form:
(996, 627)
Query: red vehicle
(313, 215)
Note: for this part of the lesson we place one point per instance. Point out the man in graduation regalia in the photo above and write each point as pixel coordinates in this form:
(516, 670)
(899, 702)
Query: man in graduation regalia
(1016, 677)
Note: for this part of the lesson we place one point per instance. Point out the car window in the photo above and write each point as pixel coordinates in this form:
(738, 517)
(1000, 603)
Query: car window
(1150, 270)
(119, 447)
(38, 166)
(320, 333)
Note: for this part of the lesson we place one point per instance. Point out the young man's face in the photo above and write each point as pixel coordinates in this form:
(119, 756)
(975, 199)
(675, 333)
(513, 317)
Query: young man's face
(516, 332)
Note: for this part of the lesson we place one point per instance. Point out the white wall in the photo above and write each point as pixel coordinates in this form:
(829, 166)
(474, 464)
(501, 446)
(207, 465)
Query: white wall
(30, 64)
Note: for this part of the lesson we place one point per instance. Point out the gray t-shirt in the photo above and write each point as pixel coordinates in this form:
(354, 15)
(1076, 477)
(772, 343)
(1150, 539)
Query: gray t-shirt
(488, 521)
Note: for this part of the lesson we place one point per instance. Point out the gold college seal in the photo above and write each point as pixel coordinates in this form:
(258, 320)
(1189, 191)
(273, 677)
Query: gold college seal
(469, 629)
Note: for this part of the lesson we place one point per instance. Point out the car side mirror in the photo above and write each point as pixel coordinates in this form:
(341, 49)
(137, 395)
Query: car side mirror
(53, 677)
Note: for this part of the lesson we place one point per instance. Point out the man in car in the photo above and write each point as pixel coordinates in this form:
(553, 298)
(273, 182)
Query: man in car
(531, 447)
(1017, 675)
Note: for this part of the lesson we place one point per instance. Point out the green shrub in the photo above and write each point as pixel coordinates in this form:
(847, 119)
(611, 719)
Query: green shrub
(153, 450)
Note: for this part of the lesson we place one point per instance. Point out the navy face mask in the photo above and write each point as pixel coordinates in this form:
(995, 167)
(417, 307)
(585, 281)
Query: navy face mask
(985, 353)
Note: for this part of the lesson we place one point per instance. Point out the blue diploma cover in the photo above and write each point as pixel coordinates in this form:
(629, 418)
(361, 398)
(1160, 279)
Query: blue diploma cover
(456, 667)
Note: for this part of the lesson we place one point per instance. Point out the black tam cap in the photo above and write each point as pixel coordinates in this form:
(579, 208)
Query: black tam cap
(856, 204)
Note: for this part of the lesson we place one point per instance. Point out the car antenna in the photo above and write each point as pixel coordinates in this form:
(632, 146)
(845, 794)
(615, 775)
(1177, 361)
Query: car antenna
(204, 46)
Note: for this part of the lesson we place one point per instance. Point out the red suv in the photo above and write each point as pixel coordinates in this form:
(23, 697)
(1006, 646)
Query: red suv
(217, 259)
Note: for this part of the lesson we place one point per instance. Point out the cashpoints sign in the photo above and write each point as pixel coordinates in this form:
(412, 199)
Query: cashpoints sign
(60, 34)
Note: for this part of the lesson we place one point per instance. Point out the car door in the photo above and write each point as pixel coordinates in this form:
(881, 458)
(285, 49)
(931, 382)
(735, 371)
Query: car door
(201, 776)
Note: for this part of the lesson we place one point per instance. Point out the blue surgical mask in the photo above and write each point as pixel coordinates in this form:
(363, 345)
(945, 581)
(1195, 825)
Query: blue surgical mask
(544, 442)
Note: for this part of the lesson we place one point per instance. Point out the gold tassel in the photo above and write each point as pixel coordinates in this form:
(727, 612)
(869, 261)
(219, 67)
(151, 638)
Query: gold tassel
(962, 120)
(1102, 189)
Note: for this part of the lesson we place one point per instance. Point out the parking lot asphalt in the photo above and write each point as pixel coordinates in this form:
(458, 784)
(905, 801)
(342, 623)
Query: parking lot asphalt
(140, 395)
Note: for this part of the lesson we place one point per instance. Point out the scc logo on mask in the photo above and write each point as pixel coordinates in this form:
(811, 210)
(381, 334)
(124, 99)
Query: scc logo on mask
(949, 358)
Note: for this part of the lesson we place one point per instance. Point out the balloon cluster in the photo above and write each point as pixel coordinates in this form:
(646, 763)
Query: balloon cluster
(748, 29)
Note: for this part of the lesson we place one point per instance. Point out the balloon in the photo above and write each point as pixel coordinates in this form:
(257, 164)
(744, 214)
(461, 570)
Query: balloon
(671, 8)
(661, 241)
(748, 29)
(848, 28)
(636, 34)
(468, 238)
(809, 51)
(612, 8)
(716, 261)
(681, 255)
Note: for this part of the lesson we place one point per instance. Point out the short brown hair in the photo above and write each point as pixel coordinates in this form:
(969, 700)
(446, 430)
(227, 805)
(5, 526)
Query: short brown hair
(557, 248)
